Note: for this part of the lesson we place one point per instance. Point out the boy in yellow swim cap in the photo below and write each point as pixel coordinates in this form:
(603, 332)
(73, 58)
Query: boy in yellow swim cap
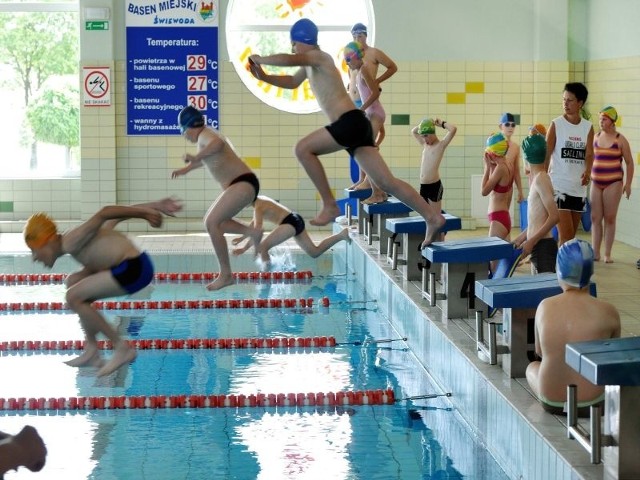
(112, 266)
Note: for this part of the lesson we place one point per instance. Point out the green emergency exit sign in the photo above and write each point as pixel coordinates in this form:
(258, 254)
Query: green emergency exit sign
(96, 25)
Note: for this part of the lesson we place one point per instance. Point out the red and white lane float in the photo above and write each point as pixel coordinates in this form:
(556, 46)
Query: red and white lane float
(278, 276)
(237, 303)
(310, 399)
(175, 344)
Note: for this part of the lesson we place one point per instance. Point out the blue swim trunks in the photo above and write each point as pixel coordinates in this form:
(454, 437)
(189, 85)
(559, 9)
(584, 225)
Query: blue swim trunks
(133, 274)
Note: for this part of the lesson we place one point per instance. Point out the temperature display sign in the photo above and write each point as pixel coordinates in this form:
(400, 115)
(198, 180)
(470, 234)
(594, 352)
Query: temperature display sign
(172, 62)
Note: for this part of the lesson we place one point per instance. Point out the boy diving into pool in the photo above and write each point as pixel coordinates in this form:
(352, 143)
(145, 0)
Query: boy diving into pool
(112, 266)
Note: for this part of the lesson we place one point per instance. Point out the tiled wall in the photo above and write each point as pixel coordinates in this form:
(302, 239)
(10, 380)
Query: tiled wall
(130, 169)
(21, 198)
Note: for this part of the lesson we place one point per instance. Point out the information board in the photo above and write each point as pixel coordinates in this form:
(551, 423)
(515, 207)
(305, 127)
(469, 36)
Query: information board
(172, 61)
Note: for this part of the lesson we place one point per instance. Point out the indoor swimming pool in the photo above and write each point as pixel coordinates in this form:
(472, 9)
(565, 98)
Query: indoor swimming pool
(156, 433)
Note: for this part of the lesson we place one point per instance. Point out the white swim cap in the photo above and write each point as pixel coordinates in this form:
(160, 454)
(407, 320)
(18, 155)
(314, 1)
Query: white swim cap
(574, 264)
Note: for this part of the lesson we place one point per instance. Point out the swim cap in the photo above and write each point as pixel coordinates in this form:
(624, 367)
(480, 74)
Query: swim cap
(358, 28)
(190, 117)
(534, 149)
(353, 48)
(426, 127)
(496, 144)
(574, 264)
(610, 112)
(507, 117)
(538, 128)
(304, 31)
(39, 230)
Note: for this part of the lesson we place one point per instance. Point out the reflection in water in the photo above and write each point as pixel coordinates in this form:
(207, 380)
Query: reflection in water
(299, 445)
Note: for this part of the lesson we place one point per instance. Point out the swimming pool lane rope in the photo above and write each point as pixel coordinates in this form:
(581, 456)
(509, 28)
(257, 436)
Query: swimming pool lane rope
(191, 343)
(177, 344)
(174, 304)
(54, 278)
(310, 399)
(232, 303)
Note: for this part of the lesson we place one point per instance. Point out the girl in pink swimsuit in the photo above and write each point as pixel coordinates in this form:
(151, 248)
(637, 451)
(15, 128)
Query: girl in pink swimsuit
(497, 183)
(370, 96)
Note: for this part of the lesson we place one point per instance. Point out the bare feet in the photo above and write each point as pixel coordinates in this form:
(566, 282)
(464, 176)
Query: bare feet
(89, 358)
(121, 355)
(220, 282)
(363, 185)
(326, 216)
(608, 259)
(432, 230)
(376, 198)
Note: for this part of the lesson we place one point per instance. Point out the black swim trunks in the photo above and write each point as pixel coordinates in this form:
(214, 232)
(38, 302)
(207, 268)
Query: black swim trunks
(543, 256)
(569, 202)
(249, 178)
(432, 192)
(352, 130)
(133, 274)
(296, 221)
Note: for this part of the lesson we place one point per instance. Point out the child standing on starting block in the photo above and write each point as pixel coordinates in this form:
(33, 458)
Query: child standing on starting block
(112, 266)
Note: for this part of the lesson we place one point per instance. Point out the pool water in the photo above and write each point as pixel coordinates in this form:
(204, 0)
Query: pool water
(415, 438)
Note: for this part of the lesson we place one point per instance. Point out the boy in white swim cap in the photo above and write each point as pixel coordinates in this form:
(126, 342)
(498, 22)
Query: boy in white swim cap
(572, 316)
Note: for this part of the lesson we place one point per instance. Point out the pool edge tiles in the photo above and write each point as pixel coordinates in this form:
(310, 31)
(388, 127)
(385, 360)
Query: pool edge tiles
(526, 441)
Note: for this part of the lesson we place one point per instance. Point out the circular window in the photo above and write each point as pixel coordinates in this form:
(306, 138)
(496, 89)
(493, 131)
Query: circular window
(262, 27)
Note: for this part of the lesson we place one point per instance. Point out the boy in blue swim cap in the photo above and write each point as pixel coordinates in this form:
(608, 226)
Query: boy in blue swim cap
(572, 316)
(240, 188)
(349, 129)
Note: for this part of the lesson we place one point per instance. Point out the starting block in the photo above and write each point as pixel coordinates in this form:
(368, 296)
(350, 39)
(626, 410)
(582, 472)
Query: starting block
(376, 215)
(518, 297)
(360, 195)
(464, 261)
(615, 363)
(412, 231)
